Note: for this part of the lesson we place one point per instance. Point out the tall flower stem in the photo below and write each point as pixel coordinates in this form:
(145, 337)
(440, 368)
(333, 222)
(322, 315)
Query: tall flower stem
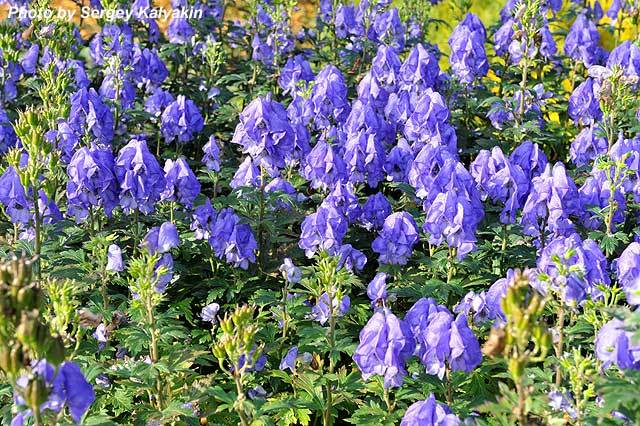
(240, 399)
(560, 343)
(326, 418)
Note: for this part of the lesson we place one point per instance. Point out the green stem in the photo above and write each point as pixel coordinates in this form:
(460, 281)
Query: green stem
(560, 344)
(387, 399)
(240, 399)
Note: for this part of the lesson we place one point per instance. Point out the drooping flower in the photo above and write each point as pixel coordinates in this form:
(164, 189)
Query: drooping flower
(14, 197)
(179, 31)
(181, 119)
(264, 132)
(573, 268)
(429, 413)
(420, 69)
(68, 388)
(350, 258)
(114, 259)
(8, 136)
(386, 342)
(376, 209)
(323, 166)
(203, 220)
(211, 157)
(626, 56)
(582, 41)
(325, 308)
(429, 122)
(584, 105)
(161, 239)
(181, 184)
(396, 239)
(241, 247)
(296, 69)
(344, 200)
(552, 200)
(88, 112)
(140, 177)
(209, 312)
(328, 102)
(561, 402)
(587, 146)
(615, 345)
(92, 182)
(292, 272)
(628, 269)
(289, 360)
(324, 230)
(247, 174)
(441, 338)
(530, 158)
(377, 288)
(468, 58)
(501, 180)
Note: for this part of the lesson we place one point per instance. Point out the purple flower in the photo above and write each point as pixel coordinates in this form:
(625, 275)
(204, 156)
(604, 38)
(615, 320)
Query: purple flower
(388, 28)
(255, 365)
(165, 264)
(628, 269)
(419, 70)
(114, 259)
(530, 158)
(179, 31)
(67, 388)
(351, 259)
(180, 120)
(328, 102)
(265, 133)
(262, 52)
(323, 308)
(615, 345)
(429, 413)
(8, 136)
(211, 157)
(552, 200)
(292, 272)
(13, 196)
(626, 56)
(581, 43)
(30, 59)
(465, 348)
(289, 360)
(246, 175)
(385, 67)
(343, 199)
(440, 337)
(323, 166)
(161, 239)
(181, 184)
(376, 209)
(584, 105)
(324, 230)
(573, 268)
(475, 303)
(396, 239)
(587, 146)
(468, 58)
(429, 122)
(140, 177)
(241, 247)
(399, 161)
(501, 180)
(100, 335)
(209, 313)
(88, 112)
(386, 342)
(377, 288)
(295, 70)
(559, 402)
(158, 101)
(204, 218)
